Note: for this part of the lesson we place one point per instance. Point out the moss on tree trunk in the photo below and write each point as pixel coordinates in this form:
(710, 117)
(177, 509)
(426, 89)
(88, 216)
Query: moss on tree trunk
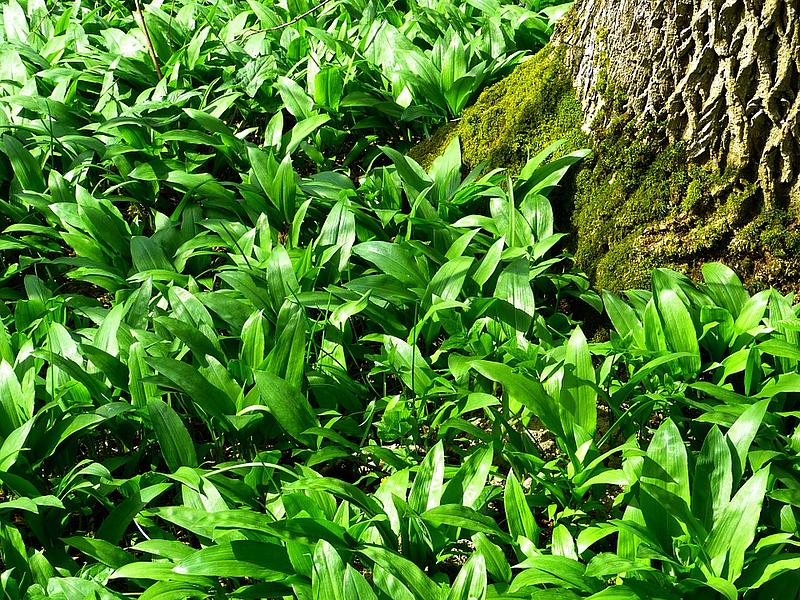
(691, 162)
(515, 118)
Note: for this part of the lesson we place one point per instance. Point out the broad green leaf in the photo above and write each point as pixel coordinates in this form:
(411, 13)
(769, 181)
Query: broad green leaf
(446, 284)
(295, 98)
(303, 130)
(513, 286)
(147, 255)
(582, 388)
(327, 580)
(713, 478)
(521, 522)
(173, 438)
(13, 444)
(240, 558)
(426, 491)
(752, 312)
(496, 561)
(13, 404)
(624, 318)
(456, 515)
(488, 265)
(26, 168)
(557, 570)
(679, 331)
(471, 582)
(403, 569)
(725, 287)
(735, 529)
(356, 586)
(668, 469)
(392, 259)
(466, 486)
(199, 390)
(287, 404)
(102, 551)
(742, 433)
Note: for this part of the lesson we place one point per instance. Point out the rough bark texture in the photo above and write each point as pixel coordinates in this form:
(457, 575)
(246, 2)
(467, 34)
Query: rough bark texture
(723, 75)
(691, 107)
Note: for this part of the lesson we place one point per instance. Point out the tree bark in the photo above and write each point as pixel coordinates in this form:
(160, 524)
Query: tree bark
(722, 75)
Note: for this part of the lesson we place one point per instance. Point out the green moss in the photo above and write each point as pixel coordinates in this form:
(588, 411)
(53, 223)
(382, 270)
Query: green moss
(639, 203)
(516, 118)
(643, 205)
(430, 149)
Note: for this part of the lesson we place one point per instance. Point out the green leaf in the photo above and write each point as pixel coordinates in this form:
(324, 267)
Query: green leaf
(735, 529)
(582, 388)
(772, 567)
(303, 129)
(518, 514)
(466, 486)
(113, 527)
(147, 255)
(15, 23)
(752, 312)
(355, 586)
(254, 334)
(281, 189)
(295, 98)
(403, 569)
(200, 345)
(524, 391)
(26, 168)
(606, 565)
(489, 263)
(713, 478)
(667, 469)
(456, 515)
(563, 544)
(624, 318)
(725, 287)
(679, 330)
(190, 381)
(327, 580)
(446, 284)
(393, 260)
(328, 87)
(654, 330)
(513, 287)
(12, 401)
(742, 433)
(287, 359)
(102, 551)
(557, 570)
(496, 561)
(471, 582)
(289, 407)
(426, 491)
(240, 558)
(176, 444)
(13, 444)
(281, 279)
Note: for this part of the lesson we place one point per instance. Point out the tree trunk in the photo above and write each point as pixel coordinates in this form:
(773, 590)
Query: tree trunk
(692, 110)
(722, 75)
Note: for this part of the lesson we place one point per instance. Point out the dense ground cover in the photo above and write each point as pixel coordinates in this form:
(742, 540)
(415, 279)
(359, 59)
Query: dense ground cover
(249, 349)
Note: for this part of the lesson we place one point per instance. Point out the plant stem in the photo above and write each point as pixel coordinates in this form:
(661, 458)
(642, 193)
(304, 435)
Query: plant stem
(139, 16)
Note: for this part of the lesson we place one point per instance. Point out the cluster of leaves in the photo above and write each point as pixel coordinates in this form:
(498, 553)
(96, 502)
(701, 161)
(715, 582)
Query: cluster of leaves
(246, 351)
